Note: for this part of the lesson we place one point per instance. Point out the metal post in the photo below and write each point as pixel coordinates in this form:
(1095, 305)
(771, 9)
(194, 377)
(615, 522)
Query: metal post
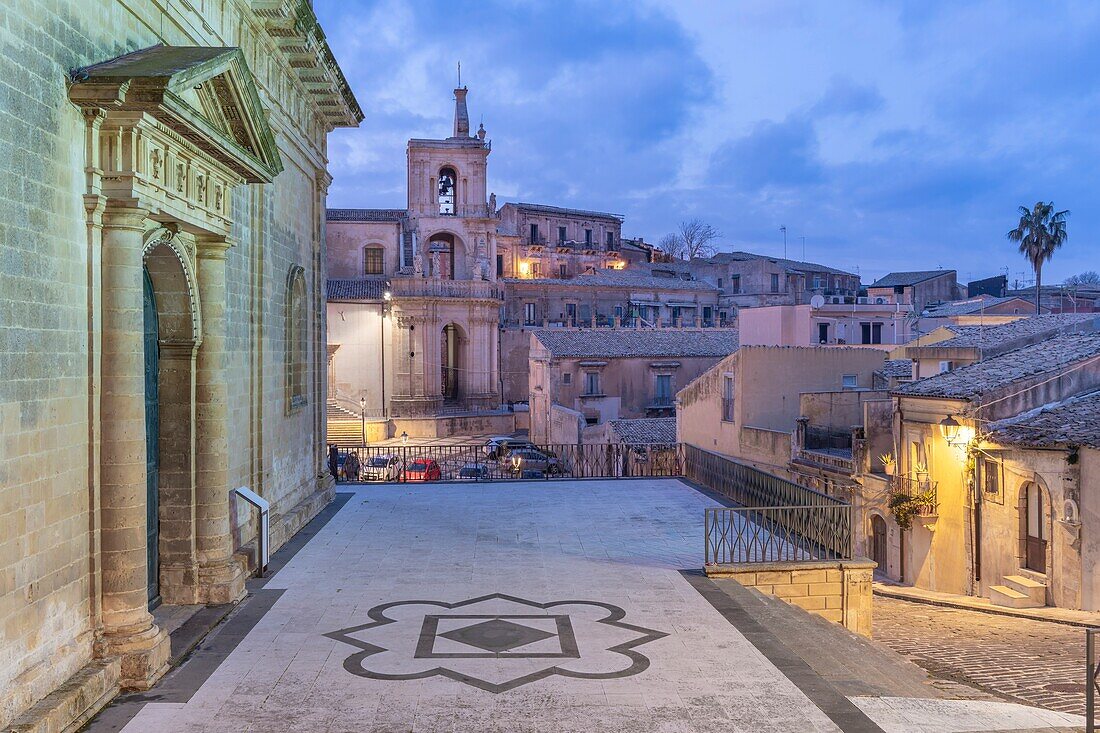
(1090, 679)
(263, 539)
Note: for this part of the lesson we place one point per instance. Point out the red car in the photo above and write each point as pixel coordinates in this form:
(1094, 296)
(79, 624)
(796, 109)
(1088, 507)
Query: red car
(422, 469)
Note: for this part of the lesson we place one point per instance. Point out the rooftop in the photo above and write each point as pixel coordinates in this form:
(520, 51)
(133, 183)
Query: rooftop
(355, 289)
(895, 279)
(796, 265)
(991, 337)
(1036, 359)
(967, 307)
(390, 215)
(613, 343)
(1071, 422)
(620, 279)
(562, 211)
(642, 431)
(898, 368)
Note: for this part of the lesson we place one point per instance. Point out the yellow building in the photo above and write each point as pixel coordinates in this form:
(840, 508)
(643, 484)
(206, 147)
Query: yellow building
(161, 323)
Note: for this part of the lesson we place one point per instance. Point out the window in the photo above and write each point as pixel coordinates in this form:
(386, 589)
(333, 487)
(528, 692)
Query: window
(561, 271)
(775, 283)
(534, 234)
(297, 346)
(735, 284)
(611, 240)
(991, 476)
(588, 237)
(876, 333)
(719, 283)
(619, 312)
(592, 383)
(561, 235)
(849, 381)
(372, 261)
(865, 333)
(536, 269)
(571, 313)
(529, 314)
(567, 378)
(663, 397)
(823, 333)
(446, 193)
(708, 314)
(819, 282)
(946, 366)
(727, 398)
(500, 265)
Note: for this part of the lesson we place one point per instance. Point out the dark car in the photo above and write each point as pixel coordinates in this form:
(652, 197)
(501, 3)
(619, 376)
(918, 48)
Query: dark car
(474, 472)
(524, 460)
(422, 469)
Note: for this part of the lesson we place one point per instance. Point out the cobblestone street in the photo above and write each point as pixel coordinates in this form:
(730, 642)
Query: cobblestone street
(1036, 662)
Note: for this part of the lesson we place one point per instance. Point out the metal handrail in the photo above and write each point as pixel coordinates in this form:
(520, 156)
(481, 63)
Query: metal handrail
(1092, 679)
(263, 538)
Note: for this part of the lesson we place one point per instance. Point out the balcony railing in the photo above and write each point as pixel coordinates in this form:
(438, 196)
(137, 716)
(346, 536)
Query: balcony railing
(420, 287)
(918, 488)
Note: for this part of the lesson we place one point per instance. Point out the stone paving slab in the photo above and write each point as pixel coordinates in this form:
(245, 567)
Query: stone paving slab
(555, 606)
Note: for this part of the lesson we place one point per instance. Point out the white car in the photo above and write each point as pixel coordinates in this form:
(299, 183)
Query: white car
(385, 467)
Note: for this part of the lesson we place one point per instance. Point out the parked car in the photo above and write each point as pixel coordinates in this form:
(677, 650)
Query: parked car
(498, 446)
(422, 469)
(522, 460)
(386, 467)
(475, 472)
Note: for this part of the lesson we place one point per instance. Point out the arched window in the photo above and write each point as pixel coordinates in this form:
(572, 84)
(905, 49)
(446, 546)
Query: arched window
(373, 260)
(297, 349)
(447, 187)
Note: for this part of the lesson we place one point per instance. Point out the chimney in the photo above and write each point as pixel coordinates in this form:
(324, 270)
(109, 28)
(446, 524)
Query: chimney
(462, 117)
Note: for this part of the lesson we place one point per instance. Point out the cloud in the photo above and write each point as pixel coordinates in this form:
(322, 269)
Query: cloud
(855, 125)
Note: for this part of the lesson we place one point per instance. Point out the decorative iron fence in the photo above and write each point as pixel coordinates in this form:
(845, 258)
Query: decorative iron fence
(486, 462)
(748, 486)
(778, 534)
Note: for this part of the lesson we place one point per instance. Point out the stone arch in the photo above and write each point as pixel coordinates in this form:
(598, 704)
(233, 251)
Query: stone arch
(297, 338)
(452, 261)
(179, 319)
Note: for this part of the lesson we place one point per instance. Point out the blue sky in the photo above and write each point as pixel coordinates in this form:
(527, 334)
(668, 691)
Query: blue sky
(892, 135)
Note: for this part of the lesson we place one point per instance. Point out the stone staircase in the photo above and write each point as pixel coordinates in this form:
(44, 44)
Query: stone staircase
(1019, 591)
(344, 427)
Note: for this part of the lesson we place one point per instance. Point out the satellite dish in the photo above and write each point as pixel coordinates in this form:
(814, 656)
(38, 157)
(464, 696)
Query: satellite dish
(817, 301)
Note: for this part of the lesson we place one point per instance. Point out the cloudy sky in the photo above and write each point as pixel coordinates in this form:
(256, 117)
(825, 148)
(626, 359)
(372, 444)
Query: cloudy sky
(891, 135)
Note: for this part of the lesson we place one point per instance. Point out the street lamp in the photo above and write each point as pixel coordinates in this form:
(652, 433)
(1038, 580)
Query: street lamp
(363, 417)
(949, 428)
(404, 438)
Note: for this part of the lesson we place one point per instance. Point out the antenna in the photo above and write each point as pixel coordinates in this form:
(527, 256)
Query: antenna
(459, 74)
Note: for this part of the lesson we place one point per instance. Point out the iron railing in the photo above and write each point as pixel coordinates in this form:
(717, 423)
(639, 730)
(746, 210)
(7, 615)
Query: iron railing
(778, 534)
(478, 462)
(918, 488)
(748, 486)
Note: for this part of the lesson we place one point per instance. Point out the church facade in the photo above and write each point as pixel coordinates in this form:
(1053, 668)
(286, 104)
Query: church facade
(161, 324)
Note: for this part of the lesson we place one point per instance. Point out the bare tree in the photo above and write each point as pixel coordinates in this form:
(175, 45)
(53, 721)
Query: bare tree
(672, 245)
(697, 237)
(1089, 278)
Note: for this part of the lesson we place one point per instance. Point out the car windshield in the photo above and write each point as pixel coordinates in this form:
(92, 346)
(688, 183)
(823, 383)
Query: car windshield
(378, 461)
(418, 466)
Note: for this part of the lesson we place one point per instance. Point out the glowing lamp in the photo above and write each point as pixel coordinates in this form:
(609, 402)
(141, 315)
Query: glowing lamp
(949, 428)
(404, 438)
(524, 268)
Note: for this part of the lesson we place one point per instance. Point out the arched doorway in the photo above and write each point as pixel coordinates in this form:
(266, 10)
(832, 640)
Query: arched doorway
(152, 437)
(878, 541)
(1034, 532)
(447, 257)
(451, 345)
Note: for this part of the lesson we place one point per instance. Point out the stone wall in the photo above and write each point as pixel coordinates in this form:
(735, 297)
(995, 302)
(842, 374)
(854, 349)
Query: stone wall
(839, 590)
(68, 249)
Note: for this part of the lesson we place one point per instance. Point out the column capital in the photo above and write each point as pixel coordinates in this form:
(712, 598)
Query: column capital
(118, 215)
(212, 248)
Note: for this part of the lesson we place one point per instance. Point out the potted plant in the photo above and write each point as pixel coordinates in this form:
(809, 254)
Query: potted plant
(905, 507)
(888, 463)
(921, 471)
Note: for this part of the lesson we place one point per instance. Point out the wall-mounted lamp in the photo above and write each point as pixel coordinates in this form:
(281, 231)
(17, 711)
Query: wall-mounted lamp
(949, 428)
(404, 438)
(387, 295)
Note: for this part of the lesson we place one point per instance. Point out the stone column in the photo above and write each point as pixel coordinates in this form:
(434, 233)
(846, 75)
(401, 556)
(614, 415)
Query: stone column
(221, 577)
(128, 628)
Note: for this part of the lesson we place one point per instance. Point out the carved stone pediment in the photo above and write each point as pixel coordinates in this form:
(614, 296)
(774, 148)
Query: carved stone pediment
(205, 96)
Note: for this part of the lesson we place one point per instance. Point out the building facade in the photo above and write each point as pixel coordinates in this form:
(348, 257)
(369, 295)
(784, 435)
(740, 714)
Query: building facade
(163, 345)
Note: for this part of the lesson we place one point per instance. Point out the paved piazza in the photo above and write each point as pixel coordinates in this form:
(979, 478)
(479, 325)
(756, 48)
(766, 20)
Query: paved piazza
(557, 606)
(1037, 662)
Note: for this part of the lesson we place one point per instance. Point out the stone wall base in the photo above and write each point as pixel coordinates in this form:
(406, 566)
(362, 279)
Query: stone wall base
(838, 590)
(74, 703)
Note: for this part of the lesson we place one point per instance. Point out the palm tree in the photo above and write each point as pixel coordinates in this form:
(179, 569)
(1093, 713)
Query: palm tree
(1041, 231)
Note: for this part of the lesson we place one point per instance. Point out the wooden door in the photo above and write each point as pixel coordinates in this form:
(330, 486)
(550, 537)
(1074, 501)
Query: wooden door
(878, 542)
(1036, 539)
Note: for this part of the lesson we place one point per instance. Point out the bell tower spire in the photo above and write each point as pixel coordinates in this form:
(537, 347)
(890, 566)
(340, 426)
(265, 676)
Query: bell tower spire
(462, 116)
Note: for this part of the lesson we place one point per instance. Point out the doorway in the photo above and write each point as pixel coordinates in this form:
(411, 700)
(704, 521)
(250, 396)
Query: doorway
(450, 343)
(152, 438)
(1033, 520)
(878, 542)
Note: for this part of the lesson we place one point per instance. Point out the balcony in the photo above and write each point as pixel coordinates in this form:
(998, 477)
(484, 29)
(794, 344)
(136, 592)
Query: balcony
(419, 287)
(921, 491)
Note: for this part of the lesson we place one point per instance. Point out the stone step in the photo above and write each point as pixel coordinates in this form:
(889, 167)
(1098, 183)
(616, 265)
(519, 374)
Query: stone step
(1033, 589)
(1002, 595)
